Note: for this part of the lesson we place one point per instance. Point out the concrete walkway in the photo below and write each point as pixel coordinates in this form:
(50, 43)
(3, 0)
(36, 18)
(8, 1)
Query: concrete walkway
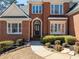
(41, 51)
(24, 53)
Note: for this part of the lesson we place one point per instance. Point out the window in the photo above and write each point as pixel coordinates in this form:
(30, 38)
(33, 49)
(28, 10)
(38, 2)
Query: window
(37, 9)
(57, 28)
(57, 9)
(61, 9)
(37, 25)
(14, 28)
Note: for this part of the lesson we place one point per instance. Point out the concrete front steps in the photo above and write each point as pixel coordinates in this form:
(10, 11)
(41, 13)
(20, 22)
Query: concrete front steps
(38, 49)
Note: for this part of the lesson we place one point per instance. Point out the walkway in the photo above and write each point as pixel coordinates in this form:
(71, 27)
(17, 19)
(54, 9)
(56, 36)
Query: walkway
(41, 51)
(25, 53)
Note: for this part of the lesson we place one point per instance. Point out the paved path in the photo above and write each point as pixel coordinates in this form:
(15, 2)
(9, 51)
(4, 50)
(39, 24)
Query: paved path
(25, 53)
(41, 51)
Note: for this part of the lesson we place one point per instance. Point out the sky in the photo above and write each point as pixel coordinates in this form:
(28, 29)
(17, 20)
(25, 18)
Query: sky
(22, 1)
(25, 1)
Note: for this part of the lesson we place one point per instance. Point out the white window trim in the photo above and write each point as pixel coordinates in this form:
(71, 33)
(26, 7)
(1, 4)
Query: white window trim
(54, 9)
(57, 29)
(38, 9)
(11, 28)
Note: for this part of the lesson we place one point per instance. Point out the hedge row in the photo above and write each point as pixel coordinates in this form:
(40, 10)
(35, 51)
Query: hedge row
(4, 45)
(9, 44)
(64, 39)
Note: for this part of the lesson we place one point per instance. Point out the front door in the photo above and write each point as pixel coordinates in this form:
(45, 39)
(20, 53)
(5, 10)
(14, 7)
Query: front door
(37, 29)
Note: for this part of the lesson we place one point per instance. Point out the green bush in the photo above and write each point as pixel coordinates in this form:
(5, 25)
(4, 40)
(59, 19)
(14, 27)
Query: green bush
(60, 38)
(70, 40)
(63, 39)
(19, 42)
(52, 39)
(5, 45)
(57, 42)
(48, 44)
(47, 39)
(7, 42)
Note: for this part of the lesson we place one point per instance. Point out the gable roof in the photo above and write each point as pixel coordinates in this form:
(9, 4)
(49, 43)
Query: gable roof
(13, 11)
(73, 9)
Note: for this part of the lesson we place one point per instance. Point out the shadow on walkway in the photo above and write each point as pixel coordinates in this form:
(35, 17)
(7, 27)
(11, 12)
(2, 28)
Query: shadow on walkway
(36, 43)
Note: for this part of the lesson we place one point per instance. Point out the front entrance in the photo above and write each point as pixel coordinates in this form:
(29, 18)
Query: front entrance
(36, 29)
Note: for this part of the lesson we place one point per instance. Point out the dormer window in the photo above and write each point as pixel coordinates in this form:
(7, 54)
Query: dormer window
(56, 9)
(36, 9)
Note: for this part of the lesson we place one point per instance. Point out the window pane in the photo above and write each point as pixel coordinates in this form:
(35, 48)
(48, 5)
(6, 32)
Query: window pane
(14, 28)
(59, 27)
(40, 9)
(52, 9)
(51, 27)
(33, 9)
(61, 9)
(36, 9)
(9, 27)
(55, 27)
(20, 27)
(56, 9)
(62, 27)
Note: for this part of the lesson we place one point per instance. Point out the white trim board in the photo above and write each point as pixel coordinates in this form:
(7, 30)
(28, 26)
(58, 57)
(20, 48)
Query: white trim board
(13, 10)
(76, 9)
(57, 18)
(15, 19)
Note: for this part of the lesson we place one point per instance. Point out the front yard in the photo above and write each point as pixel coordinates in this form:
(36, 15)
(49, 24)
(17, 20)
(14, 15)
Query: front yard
(63, 44)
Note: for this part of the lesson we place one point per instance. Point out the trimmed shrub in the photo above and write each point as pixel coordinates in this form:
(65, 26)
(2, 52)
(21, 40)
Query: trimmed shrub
(70, 40)
(52, 39)
(63, 39)
(47, 39)
(60, 38)
(4, 45)
(19, 42)
(7, 42)
(48, 44)
(57, 42)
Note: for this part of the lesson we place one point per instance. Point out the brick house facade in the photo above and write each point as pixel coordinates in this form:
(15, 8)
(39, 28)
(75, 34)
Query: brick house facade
(45, 18)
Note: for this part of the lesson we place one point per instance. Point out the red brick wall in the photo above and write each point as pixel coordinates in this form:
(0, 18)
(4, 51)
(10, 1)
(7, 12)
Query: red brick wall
(71, 26)
(5, 36)
(26, 29)
(43, 16)
(46, 13)
(74, 25)
(33, 15)
(66, 7)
